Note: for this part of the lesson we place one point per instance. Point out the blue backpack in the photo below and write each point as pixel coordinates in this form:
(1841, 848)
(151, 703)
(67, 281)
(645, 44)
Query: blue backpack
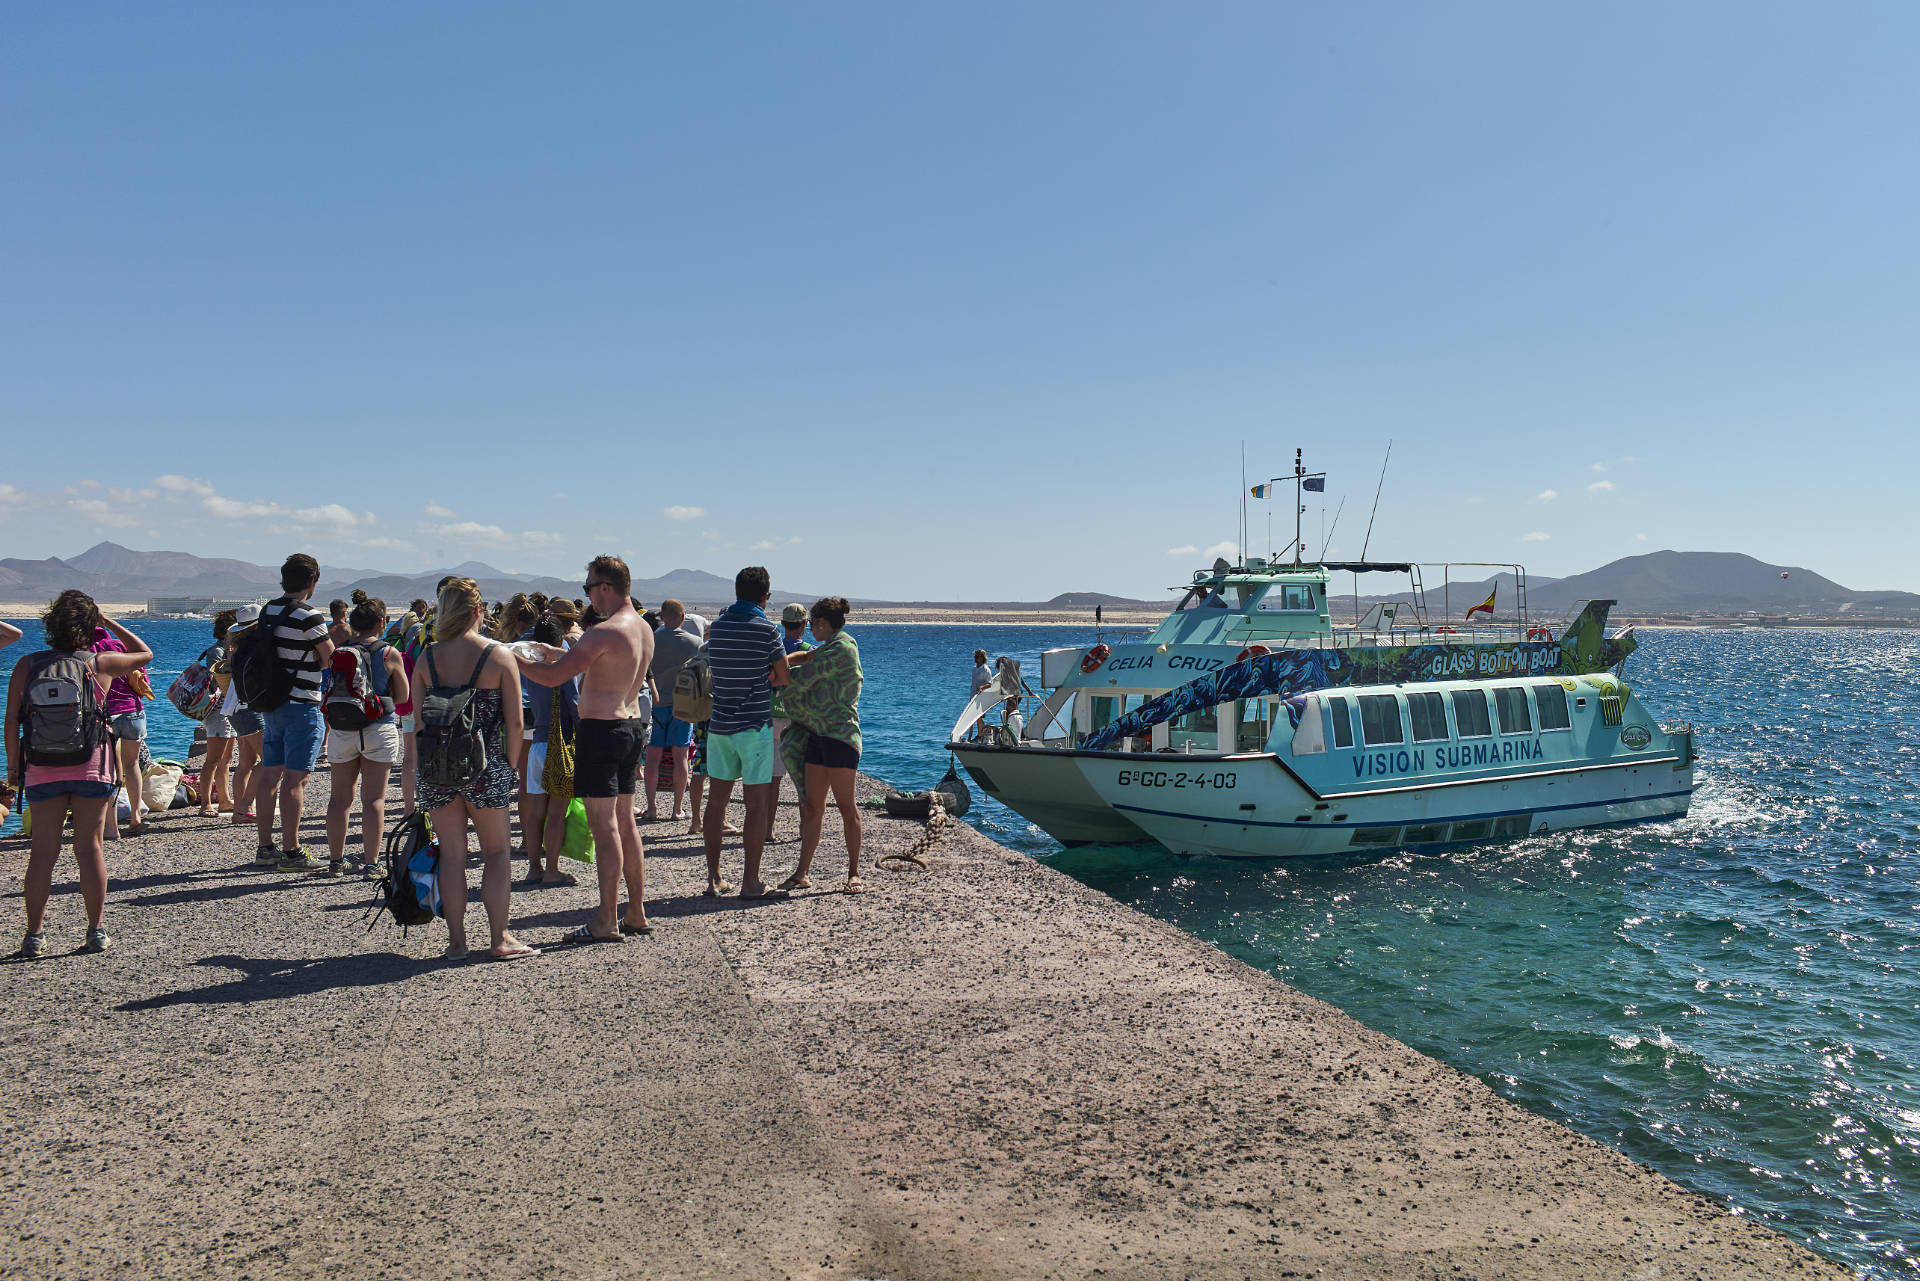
(410, 891)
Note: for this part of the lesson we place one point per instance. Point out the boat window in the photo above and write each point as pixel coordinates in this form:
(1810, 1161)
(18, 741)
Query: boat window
(1310, 739)
(1105, 708)
(1476, 830)
(1342, 721)
(1290, 598)
(1251, 724)
(1512, 702)
(1551, 702)
(1426, 834)
(1470, 713)
(1380, 719)
(1372, 835)
(1428, 713)
(1506, 824)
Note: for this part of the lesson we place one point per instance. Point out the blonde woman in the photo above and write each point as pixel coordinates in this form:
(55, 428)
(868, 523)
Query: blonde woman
(460, 656)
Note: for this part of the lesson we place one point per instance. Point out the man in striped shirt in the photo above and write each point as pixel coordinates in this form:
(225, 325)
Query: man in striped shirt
(747, 661)
(290, 742)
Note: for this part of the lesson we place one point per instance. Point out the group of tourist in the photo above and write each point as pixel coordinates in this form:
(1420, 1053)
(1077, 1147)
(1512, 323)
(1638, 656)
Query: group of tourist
(567, 698)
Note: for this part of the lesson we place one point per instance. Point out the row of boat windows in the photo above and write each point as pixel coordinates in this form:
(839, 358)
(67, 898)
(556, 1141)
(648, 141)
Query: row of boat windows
(1425, 714)
(1479, 829)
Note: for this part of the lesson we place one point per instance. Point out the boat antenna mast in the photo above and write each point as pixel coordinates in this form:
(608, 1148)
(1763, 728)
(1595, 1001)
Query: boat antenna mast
(1303, 480)
(1376, 500)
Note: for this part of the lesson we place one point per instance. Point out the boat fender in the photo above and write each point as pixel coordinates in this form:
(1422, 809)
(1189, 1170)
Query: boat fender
(1252, 651)
(1095, 656)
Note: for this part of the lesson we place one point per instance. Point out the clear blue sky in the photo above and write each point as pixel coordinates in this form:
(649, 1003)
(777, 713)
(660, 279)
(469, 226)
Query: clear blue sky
(970, 301)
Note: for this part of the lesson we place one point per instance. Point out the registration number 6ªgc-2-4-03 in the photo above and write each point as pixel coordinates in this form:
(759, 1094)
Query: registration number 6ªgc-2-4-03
(1225, 779)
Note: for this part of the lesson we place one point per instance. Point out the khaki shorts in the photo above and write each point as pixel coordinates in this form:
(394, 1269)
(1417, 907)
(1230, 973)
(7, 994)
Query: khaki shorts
(377, 744)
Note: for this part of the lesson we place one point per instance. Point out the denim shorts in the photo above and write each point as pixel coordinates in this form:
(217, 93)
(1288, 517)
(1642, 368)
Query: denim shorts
(131, 726)
(668, 732)
(81, 789)
(219, 726)
(246, 722)
(292, 737)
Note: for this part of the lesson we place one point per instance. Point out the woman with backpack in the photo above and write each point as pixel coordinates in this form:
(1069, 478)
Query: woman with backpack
(468, 730)
(65, 762)
(220, 732)
(368, 752)
(247, 725)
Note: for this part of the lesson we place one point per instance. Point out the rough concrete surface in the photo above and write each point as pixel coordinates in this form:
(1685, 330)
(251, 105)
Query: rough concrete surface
(982, 1069)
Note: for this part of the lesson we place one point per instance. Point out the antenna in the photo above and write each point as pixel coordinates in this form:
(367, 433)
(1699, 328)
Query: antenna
(1376, 506)
(1243, 502)
(1328, 542)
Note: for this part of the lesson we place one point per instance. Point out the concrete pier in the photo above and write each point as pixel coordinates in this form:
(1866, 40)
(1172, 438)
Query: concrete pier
(982, 1069)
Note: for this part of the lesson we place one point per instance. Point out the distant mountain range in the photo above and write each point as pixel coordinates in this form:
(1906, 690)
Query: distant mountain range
(1678, 584)
(1659, 583)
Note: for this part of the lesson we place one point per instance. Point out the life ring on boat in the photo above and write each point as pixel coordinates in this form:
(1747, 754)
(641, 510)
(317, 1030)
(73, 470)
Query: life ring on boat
(1446, 631)
(1539, 633)
(1252, 651)
(1095, 656)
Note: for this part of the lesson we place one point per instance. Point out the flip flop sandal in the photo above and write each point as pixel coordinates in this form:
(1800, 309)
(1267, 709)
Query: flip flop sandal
(631, 930)
(716, 891)
(582, 935)
(513, 956)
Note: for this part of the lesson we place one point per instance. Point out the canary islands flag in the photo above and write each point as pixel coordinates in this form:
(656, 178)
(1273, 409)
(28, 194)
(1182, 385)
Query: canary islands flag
(1262, 491)
(1485, 606)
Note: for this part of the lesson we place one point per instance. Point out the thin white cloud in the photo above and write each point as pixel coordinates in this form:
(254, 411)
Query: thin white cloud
(1537, 536)
(1600, 487)
(1187, 550)
(1639, 538)
(183, 485)
(1546, 496)
(770, 544)
(99, 511)
(1473, 499)
(684, 513)
(472, 533)
(438, 512)
(1228, 549)
(1599, 466)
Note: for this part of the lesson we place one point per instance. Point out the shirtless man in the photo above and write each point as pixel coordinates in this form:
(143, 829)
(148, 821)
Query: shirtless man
(611, 659)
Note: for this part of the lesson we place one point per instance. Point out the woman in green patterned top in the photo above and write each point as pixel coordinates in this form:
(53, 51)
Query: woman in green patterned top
(821, 747)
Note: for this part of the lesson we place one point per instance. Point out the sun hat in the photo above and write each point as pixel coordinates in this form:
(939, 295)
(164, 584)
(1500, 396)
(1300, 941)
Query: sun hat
(245, 616)
(793, 613)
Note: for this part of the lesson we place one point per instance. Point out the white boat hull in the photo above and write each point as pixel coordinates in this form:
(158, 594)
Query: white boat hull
(1252, 806)
(1047, 788)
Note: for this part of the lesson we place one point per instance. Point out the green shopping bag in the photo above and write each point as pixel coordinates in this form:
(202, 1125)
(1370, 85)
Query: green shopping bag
(578, 842)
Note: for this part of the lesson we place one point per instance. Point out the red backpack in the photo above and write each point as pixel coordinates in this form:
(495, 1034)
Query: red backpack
(351, 703)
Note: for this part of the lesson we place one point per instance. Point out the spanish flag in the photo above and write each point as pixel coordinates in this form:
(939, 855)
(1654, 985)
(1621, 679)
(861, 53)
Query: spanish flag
(1485, 606)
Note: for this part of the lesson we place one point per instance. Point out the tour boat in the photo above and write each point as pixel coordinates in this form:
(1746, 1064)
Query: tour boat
(1411, 765)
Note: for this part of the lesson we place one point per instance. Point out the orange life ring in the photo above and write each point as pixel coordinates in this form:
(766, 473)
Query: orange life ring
(1446, 631)
(1095, 656)
(1539, 633)
(1252, 651)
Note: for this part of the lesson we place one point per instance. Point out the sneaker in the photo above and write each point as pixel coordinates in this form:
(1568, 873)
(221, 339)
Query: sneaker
(266, 856)
(98, 940)
(296, 860)
(33, 947)
(333, 868)
(369, 871)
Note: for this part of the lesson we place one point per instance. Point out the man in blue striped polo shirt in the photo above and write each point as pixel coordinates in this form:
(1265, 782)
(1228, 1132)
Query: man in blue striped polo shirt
(747, 661)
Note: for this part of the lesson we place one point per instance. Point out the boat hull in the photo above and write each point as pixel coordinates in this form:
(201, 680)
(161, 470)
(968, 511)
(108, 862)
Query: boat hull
(1047, 788)
(1254, 807)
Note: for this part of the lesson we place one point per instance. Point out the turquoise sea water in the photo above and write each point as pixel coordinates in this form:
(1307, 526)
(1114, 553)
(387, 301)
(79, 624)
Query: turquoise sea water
(1732, 999)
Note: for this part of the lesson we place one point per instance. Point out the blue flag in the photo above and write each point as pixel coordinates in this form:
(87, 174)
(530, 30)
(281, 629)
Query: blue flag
(1261, 491)
(1314, 484)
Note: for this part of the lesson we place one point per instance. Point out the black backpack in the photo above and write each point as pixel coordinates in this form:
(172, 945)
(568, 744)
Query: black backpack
(398, 892)
(351, 703)
(453, 754)
(64, 721)
(265, 683)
